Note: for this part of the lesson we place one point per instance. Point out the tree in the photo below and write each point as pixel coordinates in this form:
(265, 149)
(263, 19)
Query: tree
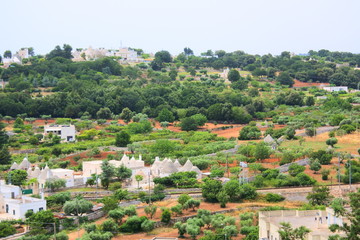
(210, 190)
(165, 116)
(223, 198)
(117, 214)
(320, 195)
(56, 151)
(6, 229)
(181, 228)
(58, 52)
(188, 51)
(285, 79)
(249, 133)
(191, 203)
(325, 174)
(122, 173)
(240, 115)
(315, 165)
(4, 138)
(7, 54)
(5, 157)
(110, 203)
(183, 198)
(232, 189)
(104, 113)
(139, 178)
(126, 114)
(58, 199)
(310, 101)
(16, 177)
(77, 207)
(177, 209)
(150, 210)
(147, 225)
(323, 156)
(331, 141)
(39, 222)
(54, 184)
(262, 151)
(160, 59)
(166, 216)
(352, 229)
(310, 131)
(108, 172)
(288, 233)
(233, 75)
(200, 119)
(295, 169)
(122, 139)
(109, 226)
(188, 124)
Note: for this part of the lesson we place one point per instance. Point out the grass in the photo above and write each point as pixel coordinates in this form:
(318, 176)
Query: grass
(307, 145)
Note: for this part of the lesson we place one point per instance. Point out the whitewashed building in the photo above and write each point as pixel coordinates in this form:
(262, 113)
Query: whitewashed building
(336, 89)
(65, 132)
(14, 205)
(163, 168)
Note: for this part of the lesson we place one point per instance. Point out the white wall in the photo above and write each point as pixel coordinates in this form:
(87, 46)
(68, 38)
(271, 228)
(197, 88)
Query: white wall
(18, 207)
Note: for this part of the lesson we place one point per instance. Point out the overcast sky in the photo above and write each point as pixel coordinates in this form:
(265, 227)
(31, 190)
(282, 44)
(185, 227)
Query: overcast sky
(254, 26)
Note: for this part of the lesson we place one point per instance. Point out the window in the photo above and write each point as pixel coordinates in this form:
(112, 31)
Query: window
(40, 209)
(13, 212)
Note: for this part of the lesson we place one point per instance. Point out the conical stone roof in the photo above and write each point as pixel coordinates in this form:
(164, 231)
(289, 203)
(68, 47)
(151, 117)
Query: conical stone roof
(187, 166)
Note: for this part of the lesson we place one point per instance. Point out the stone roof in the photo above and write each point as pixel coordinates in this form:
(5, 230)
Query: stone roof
(44, 173)
(168, 167)
(196, 169)
(268, 139)
(187, 166)
(25, 164)
(14, 166)
(36, 172)
(177, 164)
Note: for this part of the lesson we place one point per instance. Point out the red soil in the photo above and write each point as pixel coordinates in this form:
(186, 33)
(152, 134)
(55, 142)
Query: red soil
(102, 155)
(298, 83)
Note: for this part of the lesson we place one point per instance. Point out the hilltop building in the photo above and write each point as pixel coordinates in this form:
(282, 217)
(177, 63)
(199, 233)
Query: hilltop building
(65, 132)
(125, 54)
(17, 57)
(336, 89)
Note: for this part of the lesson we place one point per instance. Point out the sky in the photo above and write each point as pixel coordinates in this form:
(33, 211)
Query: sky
(254, 26)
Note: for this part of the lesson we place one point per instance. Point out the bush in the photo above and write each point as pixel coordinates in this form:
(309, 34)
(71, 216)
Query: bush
(295, 169)
(274, 197)
(323, 156)
(325, 174)
(115, 186)
(166, 216)
(133, 224)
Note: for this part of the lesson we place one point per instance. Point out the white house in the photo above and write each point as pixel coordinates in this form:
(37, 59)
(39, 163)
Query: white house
(14, 205)
(336, 89)
(65, 132)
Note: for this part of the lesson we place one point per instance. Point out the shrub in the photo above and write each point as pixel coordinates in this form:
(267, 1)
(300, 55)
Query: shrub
(115, 186)
(183, 198)
(166, 216)
(325, 174)
(274, 197)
